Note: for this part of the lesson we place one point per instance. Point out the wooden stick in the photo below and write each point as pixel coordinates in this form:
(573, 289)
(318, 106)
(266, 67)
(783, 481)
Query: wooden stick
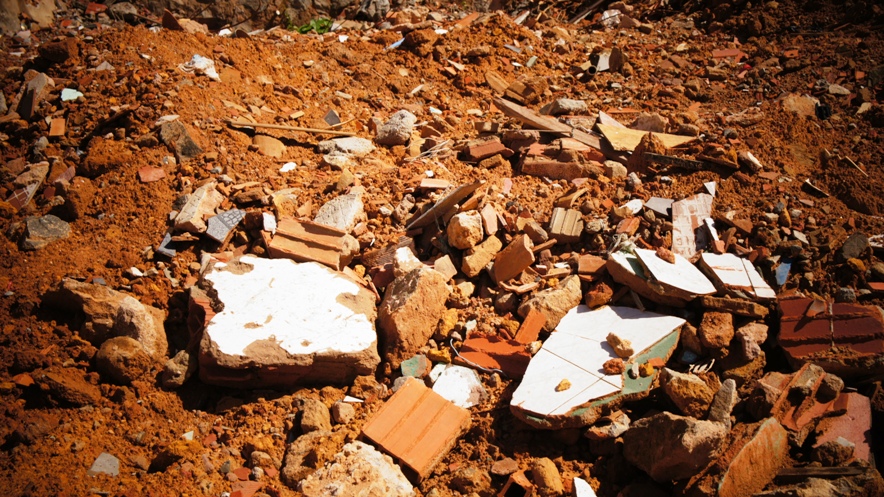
(290, 128)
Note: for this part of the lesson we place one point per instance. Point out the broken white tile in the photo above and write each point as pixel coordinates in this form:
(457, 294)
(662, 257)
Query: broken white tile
(582, 488)
(681, 277)
(732, 272)
(269, 222)
(461, 386)
(574, 352)
(288, 167)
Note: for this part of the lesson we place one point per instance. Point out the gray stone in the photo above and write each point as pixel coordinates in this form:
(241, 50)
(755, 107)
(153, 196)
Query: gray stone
(105, 464)
(350, 145)
(671, 447)
(342, 213)
(175, 136)
(343, 412)
(41, 231)
(854, 247)
(178, 369)
(846, 295)
(723, 403)
(564, 106)
(397, 130)
(615, 169)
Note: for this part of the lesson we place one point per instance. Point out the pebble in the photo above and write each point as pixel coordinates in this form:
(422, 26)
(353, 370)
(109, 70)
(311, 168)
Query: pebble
(105, 464)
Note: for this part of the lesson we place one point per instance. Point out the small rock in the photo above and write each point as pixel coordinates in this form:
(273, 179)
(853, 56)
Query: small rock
(469, 480)
(504, 467)
(554, 302)
(615, 169)
(41, 231)
(397, 130)
(105, 464)
(176, 136)
(268, 145)
(465, 230)
(68, 385)
(833, 453)
(614, 366)
(655, 123)
(358, 470)
(546, 478)
(690, 394)
(716, 330)
(123, 360)
(350, 145)
(565, 106)
(343, 212)
(178, 369)
(609, 427)
(314, 416)
(723, 403)
(622, 347)
(343, 412)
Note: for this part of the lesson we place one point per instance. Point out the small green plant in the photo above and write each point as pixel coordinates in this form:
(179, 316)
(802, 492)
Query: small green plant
(320, 25)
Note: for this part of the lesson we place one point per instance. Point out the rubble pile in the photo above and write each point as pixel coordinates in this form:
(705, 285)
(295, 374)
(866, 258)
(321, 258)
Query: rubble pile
(444, 253)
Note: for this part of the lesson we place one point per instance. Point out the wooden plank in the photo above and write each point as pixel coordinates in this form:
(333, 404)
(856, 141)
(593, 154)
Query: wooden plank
(624, 139)
(545, 123)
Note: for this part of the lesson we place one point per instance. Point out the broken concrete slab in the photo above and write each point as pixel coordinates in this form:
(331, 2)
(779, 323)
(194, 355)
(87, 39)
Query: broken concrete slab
(753, 453)
(417, 427)
(736, 276)
(359, 469)
(410, 310)
(461, 386)
(110, 313)
(200, 205)
(260, 339)
(306, 241)
(670, 447)
(844, 339)
(580, 340)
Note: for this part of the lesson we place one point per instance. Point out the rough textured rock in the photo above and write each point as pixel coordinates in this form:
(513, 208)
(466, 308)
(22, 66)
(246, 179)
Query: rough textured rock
(546, 478)
(351, 145)
(314, 416)
(179, 369)
(562, 106)
(690, 394)
(477, 258)
(410, 310)
(622, 347)
(716, 330)
(470, 480)
(67, 385)
(308, 453)
(43, 230)
(177, 138)
(555, 302)
(260, 332)
(753, 453)
(343, 412)
(110, 313)
(723, 403)
(671, 447)
(123, 359)
(268, 145)
(358, 470)
(342, 212)
(397, 130)
(465, 230)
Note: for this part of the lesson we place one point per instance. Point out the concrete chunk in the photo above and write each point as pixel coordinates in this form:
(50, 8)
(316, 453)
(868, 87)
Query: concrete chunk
(359, 469)
(285, 323)
(200, 205)
(342, 213)
(410, 310)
